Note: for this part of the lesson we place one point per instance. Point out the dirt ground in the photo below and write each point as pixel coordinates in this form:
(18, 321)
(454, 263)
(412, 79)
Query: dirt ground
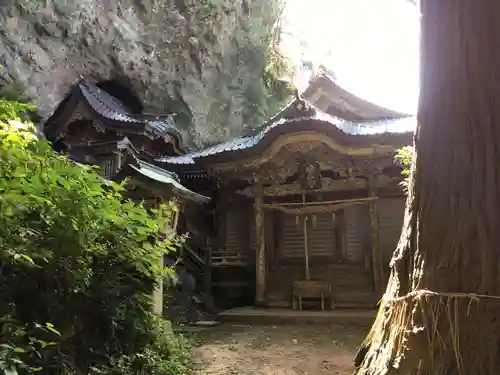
(277, 350)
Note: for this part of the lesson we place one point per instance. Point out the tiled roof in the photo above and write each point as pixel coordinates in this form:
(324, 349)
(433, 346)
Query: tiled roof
(335, 91)
(113, 110)
(163, 176)
(395, 125)
(400, 125)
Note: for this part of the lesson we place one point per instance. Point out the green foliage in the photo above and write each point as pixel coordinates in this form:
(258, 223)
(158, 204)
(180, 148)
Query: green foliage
(167, 355)
(20, 346)
(251, 88)
(14, 111)
(404, 157)
(73, 253)
(258, 69)
(205, 10)
(14, 91)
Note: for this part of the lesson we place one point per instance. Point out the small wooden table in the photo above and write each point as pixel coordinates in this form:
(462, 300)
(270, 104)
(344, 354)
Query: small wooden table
(312, 289)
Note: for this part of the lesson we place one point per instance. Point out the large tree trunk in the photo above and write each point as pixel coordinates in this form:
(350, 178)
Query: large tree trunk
(440, 314)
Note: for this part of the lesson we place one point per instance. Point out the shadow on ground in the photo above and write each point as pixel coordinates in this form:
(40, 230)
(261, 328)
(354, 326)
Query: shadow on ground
(286, 349)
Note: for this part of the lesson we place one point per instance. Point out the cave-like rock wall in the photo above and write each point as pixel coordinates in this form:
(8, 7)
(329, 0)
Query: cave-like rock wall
(202, 59)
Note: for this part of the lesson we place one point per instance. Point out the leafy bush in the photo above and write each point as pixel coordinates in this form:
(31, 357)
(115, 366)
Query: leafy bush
(75, 254)
(20, 345)
(404, 157)
(13, 91)
(167, 355)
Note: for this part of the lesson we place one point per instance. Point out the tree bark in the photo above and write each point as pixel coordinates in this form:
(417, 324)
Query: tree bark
(431, 320)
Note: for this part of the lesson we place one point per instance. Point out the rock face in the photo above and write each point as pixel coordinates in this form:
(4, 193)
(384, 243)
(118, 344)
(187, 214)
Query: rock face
(202, 59)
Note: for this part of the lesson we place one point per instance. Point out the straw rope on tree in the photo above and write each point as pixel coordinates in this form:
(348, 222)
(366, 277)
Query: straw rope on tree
(440, 313)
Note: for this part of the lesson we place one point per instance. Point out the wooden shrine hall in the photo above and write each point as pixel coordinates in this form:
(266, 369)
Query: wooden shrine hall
(92, 127)
(307, 209)
(304, 210)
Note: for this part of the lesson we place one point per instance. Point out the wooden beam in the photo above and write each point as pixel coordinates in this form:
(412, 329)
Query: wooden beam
(378, 273)
(260, 251)
(328, 185)
(321, 203)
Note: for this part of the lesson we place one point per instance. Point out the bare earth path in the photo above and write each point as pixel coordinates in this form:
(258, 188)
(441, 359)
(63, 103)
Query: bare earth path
(278, 350)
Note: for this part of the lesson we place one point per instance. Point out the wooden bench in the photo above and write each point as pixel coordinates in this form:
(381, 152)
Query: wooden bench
(312, 289)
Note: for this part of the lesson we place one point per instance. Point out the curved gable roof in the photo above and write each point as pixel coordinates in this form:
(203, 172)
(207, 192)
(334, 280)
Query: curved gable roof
(283, 123)
(343, 103)
(113, 113)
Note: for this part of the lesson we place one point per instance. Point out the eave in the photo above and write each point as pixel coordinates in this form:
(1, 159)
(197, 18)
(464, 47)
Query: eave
(327, 94)
(349, 135)
(157, 179)
(111, 114)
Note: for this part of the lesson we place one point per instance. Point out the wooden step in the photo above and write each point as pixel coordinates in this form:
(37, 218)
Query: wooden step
(342, 300)
(252, 315)
(228, 260)
(231, 284)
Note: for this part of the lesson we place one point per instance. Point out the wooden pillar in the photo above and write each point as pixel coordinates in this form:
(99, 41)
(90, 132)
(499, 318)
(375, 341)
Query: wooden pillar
(306, 247)
(270, 235)
(158, 293)
(207, 270)
(342, 230)
(378, 272)
(170, 228)
(260, 251)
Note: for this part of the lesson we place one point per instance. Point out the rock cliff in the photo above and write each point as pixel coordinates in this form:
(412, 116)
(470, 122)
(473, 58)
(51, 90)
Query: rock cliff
(203, 59)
